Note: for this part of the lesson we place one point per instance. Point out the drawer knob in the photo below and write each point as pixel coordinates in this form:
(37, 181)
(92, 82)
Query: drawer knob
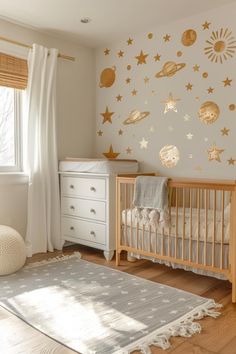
(72, 207)
(72, 228)
(72, 186)
(93, 189)
(92, 233)
(93, 211)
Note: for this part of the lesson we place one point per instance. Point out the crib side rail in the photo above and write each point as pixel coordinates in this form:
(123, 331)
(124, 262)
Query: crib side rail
(199, 201)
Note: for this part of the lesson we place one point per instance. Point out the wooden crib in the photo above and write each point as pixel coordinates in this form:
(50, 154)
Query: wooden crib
(202, 229)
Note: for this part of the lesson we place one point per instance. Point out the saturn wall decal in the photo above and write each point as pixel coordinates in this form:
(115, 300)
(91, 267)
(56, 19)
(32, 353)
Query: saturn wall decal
(135, 116)
(169, 69)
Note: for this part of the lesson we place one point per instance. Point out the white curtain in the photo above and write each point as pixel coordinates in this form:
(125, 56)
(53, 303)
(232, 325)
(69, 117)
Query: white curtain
(43, 227)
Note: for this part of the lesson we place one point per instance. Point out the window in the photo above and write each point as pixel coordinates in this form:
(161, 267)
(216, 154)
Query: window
(13, 81)
(10, 129)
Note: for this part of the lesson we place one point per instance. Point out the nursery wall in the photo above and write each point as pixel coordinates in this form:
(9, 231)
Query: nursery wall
(75, 113)
(166, 97)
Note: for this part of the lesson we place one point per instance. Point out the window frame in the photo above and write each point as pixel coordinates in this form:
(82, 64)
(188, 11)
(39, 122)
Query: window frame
(18, 167)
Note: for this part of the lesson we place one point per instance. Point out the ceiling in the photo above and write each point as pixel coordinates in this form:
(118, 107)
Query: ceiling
(111, 19)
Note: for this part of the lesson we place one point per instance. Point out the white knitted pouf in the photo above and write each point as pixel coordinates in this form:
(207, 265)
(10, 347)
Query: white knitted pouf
(12, 250)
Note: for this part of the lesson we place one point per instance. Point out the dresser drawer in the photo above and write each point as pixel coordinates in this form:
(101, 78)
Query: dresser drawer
(83, 208)
(84, 187)
(84, 230)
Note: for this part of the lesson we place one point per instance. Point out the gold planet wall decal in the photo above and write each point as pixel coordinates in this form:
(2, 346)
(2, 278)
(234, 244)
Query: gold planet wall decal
(135, 116)
(169, 156)
(189, 37)
(221, 46)
(169, 69)
(232, 107)
(107, 77)
(209, 112)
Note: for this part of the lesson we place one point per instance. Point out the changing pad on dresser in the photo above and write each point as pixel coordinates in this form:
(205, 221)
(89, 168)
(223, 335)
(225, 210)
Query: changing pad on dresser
(98, 165)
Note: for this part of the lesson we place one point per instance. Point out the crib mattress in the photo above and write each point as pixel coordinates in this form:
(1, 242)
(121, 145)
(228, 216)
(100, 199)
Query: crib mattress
(128, 218)
(98, 165)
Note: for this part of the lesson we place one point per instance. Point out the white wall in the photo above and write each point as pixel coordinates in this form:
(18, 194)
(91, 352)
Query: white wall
(173, 128)
(75, 90)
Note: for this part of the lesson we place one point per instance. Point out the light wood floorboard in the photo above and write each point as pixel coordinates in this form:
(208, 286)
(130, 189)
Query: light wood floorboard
(218, 336)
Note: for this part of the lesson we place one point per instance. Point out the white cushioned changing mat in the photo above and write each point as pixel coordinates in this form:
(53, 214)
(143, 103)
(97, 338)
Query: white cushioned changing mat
(98, 165)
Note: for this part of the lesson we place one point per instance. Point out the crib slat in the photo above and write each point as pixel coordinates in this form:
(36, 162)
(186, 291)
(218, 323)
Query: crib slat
(190, 224)
(131, 216)
(143, 230)
(206, 192)
(222, 228)
(162, 242)
(137, 235)
(214, 229)
(125, 200)
(183, 234)
(169, 232)
(198, 222)
(149, 238)
(176, 221)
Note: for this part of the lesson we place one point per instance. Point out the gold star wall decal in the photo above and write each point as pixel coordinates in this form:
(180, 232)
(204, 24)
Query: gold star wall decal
(111, 154)
(196, 67)
(186, 117)
(224, 131)
(214, 153)
(120, 54)
(170, 103)
(129, 41)
(206, 25)
(128, 80)
(99, 133)
(166, 38)
(231, 161)
(119, 98)
(141, 58)
(157, 57)
(146, 80)
(134, 92)
(227, 82)
(152, 129)
(129, 67)
(107, 116)
(128, 150)
(189, 136)
(179, 53)
(106, 51)
(210, 89)
(189, 87)
(120, 132)
(143, 143)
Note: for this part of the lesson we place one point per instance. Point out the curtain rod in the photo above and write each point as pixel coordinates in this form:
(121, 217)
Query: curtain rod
(63, 56)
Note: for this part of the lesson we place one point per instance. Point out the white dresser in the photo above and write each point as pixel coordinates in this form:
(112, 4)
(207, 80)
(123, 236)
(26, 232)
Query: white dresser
(88, 210)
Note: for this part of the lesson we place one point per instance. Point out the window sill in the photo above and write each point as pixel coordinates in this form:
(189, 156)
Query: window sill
(13, 178)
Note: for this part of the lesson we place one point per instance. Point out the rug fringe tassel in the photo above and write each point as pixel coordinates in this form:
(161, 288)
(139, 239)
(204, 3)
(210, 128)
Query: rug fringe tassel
(185, 328)
(53, 260)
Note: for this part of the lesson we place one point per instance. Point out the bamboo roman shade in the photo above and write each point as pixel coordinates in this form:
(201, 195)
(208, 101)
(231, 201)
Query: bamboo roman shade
(13, 71)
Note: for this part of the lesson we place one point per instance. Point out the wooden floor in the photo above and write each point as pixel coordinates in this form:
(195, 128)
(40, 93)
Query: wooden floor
(217, 336)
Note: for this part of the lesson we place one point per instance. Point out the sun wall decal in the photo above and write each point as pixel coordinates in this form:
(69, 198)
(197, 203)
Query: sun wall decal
(222, 45)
